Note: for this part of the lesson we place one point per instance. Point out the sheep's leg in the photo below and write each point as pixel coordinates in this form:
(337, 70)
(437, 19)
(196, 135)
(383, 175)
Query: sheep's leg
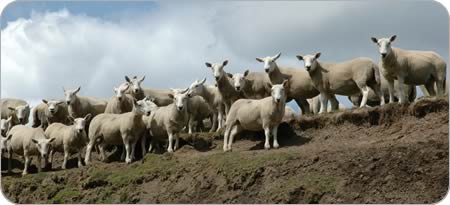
(323, 102)
(143, 138)
(379, 92)
(267, 133)
(122, 156)
(39, 163)
(177, 142)
(80, 164)
(365, 93)
(101, 148)
(9, 161)
(66, 156)
(190, 125)
(89, 147)
(234, 131)
(128, 151)
(170, 148)
(220, 119)
(27, 162)
(304, 105)
(334, 103)
(391, 90)
(430, 88)
(275, 137)
(52, 155)
(440, 87)
(401, 89)
(214, 122)
(225, 138)
(151, 144)
(133, 147)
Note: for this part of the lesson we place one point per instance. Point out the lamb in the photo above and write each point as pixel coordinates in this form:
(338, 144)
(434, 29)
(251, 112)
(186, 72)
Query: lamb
(27, 141)
(119, 129)
(224, 84)
(68, 138)
(215, 100)
(198, 109)
(254, 115)
(345, 78)
(300, 86)
(80, 106)
(5, 125)
(167, 121)
(50, 111)
(254, 85)
(18, 109)
(411, 68)
(121, 102)
(161, 96)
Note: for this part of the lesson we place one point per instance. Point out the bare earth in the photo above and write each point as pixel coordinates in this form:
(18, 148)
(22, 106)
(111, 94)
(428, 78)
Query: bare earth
(389, 154)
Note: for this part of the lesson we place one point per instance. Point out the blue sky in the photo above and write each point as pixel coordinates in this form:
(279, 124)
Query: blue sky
(46, 45)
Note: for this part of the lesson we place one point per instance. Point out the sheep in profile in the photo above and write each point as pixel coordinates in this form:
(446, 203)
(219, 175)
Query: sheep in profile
(346, 78)
(198, 109)
(5, 125)
(161, 96)
(119, 129)
(68, 138)
(80, 106)
(50, 111)
(166, 122)
(253, 85)
(18, 109)
(215, 100)
(411, 68)
(121, 102)
(300, 86)
(254, 115)
(27, 141)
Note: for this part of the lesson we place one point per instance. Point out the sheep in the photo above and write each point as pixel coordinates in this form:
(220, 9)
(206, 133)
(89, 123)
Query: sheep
(119, 129)
(121, 102)
(300, 86)
(254, 115)
(80, 106)
(345, 78)
(68, 138)
(167, 121)
(289, 115)
(27, 141)
(50, 111)
(4, 143)
(215, 100)
(198, 109)
(18, 109)
(411, 68)
(254, 85)
(5, 125)
(161, 96)
(224, 84)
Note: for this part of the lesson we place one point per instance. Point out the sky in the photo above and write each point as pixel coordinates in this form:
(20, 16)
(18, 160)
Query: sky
(46, 46)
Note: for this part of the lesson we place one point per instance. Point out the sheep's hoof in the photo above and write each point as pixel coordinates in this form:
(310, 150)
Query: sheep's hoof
(170, 150)
(64, 167)
(267, 146)
(24, 173)
(276, 146)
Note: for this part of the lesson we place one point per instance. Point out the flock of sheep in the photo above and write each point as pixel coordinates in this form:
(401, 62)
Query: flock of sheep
(243, 101)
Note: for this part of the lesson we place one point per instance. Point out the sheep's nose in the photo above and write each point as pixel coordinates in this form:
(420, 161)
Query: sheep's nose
(21, 120)
(383, 55)
(217, 77)
(180, 108)
(278, 100)
(68, 102)
(44, 155)
(136, 90)
(267, 70)
(52, 111)
(238, 88)
(308, 66)
(148, 113)
(120, 98)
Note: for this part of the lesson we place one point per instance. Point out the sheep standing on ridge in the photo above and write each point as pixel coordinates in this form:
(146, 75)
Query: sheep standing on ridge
(48, 112)
(80, 106)
(411, 68)
(68, 138)
(215, 100)
(254, 85)
(346, 78)
(119, 129)
(300, 86)
(254, 115)
(198, 109)
(27, 141)
(160, 96)
(121, 102)
(18, 109)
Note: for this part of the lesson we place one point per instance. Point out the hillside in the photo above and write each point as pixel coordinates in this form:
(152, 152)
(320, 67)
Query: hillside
(389, 154)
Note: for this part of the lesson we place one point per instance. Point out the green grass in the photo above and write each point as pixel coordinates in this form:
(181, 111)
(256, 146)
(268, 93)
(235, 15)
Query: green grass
(65, 195)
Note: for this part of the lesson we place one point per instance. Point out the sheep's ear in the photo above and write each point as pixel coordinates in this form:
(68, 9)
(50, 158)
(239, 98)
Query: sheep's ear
(375, 40)
(277, 56)
(8, 137)
(44, 101)
(317, 55)
(230, 75)
(87, 117)
(34, 141)
(299, 57)
(392, 38)
(203, 81)
(246, 73)
(71, 119)
(285, 83)
(171, 96)
(184, 91)
(77, 90)
(225, 63)
(11, 108)
(9, 119)
(152, 99)
(127, 79)
(51, 139)
(209, 65)
(142, 79)
(260, 60)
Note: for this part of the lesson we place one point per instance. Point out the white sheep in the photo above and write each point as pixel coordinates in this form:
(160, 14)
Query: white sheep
(198, 109)
(18, 109)
(5, 125)
(50, 111)
(411, 68)
(119, 129)
(255, 115)
(121, 102)
(27, 141)
(215, 100)
(166, 122)
(300, 86)
(346, 78)
(253, 85)
(4, 143)
(160, 96)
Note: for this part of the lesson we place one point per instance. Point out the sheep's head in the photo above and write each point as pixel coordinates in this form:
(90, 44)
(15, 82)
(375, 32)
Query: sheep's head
(5, 125)
(310, 61)
(80, 123)
(144, 106)
(71, 95)
(196, 87)
(4, 143)
(269, 62)
(43, 145)
(279, 92)
(120, 91)
(384, 45)
(52, 105)
(22, 112)
(239, 80)
(217, 69)
(135, 83)
(180, 98)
